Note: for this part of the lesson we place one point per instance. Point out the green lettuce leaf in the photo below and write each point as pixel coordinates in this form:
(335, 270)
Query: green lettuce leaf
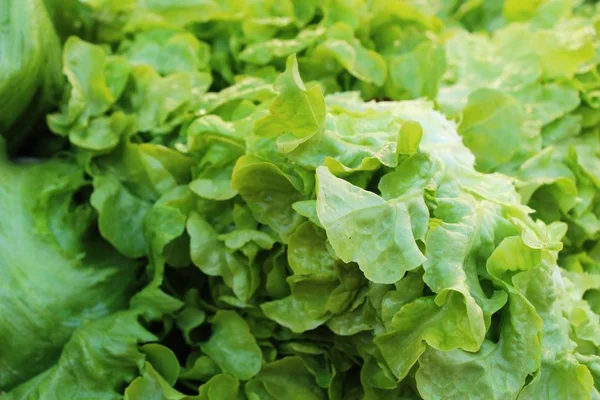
(30, 68)
(48, 243)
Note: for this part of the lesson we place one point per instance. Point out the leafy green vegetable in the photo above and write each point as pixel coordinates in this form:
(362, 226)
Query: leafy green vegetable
(56, 274)
(300, 200)
(351, 216)
(30, 68)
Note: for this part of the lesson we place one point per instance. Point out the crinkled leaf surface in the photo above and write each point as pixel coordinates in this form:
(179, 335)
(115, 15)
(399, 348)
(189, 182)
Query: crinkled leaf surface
(281, 199)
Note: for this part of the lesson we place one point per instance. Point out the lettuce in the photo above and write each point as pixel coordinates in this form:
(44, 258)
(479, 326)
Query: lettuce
(303, 200)
(57, 275)
(30, 68)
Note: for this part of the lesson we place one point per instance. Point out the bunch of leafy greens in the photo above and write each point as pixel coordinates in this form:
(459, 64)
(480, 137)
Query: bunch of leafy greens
(347, 199)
